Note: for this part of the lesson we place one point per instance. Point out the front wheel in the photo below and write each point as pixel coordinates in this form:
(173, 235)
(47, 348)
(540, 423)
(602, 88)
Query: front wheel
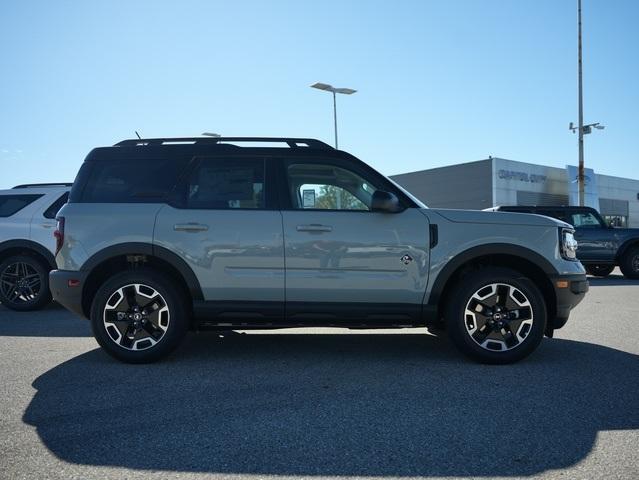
(496, 315)
(599, 270)
(138, 316)
(630, 263)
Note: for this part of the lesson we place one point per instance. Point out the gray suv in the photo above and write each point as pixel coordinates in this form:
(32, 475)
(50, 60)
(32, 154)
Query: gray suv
(165, 235)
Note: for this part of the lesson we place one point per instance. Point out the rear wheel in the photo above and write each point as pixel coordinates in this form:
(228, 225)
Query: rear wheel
(24, 283)
(630, 263)
(599, 270)
(139, 316)
(496, 315)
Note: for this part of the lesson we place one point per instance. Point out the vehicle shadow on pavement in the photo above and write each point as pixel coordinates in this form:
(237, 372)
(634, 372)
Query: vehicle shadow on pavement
(327, 404)
(612, 280)
(51, 321)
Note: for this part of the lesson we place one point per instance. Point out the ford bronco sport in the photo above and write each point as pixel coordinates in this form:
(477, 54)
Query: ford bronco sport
(165, 235)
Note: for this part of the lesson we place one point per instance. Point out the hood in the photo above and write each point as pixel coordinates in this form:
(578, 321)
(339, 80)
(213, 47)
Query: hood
(499, 218)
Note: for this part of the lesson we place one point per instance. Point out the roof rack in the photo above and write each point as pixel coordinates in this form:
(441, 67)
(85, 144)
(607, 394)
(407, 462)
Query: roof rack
(35, 185)
(291, 142)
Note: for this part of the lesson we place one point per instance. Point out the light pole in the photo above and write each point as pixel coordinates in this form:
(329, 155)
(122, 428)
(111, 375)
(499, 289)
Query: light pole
(581, 128)
(334, 91)
(581, 113)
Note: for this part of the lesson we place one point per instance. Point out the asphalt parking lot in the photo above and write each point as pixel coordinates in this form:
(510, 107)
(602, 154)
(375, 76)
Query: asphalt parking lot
(323, 403)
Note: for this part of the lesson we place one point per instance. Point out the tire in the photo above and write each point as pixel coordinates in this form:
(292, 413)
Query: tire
(599, 269)
(127, 330)
(24, 283)
(471, 332)
(630, 263)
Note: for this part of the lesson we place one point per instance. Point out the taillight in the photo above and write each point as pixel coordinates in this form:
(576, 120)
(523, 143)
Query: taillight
(58, 233)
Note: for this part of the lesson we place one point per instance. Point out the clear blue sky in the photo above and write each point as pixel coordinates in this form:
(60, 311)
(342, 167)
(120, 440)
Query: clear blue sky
(438, 82)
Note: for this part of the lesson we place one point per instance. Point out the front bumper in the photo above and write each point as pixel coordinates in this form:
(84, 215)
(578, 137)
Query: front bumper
(66, 288)
(569, 292)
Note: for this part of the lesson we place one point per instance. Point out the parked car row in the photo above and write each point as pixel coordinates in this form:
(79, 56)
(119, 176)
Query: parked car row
(160, 236)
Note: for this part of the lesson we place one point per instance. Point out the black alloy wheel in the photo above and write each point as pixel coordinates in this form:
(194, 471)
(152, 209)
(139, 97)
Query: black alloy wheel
(24, 283)
(630, 263)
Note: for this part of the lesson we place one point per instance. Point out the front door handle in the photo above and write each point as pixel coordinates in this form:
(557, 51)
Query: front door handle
(314, 227)
(190, 227)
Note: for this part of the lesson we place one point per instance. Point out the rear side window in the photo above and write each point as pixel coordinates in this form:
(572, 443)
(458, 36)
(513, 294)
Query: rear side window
(226, 184)
(56, 206)
(10, 204)
(131, 181)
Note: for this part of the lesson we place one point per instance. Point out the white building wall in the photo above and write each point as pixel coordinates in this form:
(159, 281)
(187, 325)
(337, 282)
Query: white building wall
(510, 176)
(496, 181)
(618, 188)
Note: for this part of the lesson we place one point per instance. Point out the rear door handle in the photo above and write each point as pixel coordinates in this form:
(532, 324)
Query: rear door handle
(314, 227)
(190, 227)
(47, 225)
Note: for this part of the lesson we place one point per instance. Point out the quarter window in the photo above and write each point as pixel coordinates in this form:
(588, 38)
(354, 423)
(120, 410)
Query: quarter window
(132, 181)
(10, 204)
(227, 184)
(55, 207)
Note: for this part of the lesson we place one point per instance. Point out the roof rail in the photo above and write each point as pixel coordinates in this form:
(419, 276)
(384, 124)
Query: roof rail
(291, 142)
(34, 185)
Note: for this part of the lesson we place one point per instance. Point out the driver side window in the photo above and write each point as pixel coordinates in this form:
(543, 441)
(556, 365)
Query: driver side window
(315, 186)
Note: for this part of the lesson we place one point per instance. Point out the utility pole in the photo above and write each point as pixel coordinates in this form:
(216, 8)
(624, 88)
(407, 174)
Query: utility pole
(581, 176)
(581, 129)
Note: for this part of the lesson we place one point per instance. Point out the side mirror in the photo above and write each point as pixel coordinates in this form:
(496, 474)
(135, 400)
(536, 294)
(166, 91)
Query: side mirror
(386, 202)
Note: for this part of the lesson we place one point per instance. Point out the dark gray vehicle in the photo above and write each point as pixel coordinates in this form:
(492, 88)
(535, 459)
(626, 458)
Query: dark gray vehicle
(164, 235)
(601, 247)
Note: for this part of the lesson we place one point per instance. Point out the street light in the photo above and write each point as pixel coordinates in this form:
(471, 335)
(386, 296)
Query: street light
(581, 128)
(334, 91)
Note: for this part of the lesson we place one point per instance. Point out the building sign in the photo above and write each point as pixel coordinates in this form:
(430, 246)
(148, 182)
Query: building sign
(521, 176)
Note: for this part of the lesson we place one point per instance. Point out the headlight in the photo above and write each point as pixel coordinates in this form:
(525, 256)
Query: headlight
(568, 244)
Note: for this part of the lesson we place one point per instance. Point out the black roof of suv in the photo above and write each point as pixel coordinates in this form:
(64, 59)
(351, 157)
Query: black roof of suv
(167, 159)
(559, 212)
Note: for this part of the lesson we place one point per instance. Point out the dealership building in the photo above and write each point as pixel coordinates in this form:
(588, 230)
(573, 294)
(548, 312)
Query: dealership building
(497, 181)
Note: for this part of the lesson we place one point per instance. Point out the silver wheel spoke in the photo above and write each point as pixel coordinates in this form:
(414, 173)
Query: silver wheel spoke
(498, 317)
(136, 317)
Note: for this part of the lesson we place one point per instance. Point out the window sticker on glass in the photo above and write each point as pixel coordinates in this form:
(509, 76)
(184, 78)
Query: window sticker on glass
(308, 198)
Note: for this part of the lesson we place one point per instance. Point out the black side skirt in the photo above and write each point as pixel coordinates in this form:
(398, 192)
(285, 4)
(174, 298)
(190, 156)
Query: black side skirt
(216, 314)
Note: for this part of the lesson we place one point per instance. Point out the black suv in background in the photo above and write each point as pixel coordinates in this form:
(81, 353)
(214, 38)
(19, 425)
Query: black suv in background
(601, 246)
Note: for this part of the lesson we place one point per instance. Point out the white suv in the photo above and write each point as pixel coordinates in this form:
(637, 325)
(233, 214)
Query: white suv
(27, 222)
